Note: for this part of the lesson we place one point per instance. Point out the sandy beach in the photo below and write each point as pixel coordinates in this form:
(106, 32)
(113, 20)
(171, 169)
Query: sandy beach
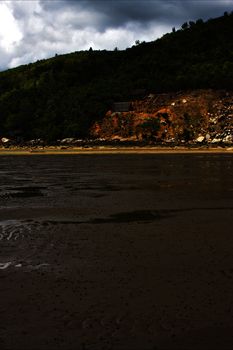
(109, 150)
(116, 251)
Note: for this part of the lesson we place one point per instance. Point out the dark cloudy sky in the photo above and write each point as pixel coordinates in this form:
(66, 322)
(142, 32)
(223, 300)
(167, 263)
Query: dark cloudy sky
(36, 29)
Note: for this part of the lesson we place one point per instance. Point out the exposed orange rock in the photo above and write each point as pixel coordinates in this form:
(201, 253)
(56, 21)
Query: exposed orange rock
(180, 117)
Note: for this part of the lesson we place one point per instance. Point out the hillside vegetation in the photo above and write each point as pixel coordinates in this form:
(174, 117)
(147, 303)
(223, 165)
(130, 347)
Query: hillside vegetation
(65, 95)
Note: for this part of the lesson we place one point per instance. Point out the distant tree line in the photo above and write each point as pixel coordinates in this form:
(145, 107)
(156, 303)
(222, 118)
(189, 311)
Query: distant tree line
(63, 96)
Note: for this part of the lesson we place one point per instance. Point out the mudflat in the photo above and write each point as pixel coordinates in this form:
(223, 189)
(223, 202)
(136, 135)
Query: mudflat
(116, 251)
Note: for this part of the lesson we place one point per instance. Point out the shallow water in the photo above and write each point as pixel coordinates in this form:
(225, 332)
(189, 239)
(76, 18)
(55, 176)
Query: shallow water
(115, 251)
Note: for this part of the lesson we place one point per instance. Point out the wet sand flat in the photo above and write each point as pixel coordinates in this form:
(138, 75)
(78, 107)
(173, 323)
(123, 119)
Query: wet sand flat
(116, 251)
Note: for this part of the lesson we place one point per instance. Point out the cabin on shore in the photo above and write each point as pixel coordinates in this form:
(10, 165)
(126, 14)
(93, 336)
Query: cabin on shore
(121, 106)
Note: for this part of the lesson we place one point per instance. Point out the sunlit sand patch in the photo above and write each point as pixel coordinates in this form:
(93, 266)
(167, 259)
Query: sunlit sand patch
(112, 150)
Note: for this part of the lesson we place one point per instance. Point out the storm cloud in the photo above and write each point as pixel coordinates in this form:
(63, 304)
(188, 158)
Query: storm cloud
(37, 29)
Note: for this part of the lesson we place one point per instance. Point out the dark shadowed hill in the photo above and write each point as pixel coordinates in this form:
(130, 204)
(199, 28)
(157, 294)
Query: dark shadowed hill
(63, 96)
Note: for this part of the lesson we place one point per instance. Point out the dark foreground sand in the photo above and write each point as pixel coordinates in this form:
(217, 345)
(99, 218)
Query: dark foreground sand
(116, 251)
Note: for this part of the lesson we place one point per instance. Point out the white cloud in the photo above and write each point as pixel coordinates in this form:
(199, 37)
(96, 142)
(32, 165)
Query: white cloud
(34, 29)
(9, 29)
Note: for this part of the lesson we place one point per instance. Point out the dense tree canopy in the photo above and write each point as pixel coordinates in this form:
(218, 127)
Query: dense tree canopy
(63, 96)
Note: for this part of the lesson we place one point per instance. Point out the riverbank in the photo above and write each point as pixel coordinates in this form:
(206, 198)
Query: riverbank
(110, 150)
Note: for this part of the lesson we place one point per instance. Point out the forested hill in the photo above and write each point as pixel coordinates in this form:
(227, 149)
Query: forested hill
(63, 96)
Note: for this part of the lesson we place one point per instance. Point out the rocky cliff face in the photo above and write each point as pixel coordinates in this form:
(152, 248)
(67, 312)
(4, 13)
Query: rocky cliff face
(200, 116)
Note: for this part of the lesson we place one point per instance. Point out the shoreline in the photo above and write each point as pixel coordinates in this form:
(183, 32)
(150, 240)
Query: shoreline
(52, 150)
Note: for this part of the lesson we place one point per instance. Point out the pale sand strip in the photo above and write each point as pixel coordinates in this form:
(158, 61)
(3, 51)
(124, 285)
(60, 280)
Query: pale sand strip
(112, 150)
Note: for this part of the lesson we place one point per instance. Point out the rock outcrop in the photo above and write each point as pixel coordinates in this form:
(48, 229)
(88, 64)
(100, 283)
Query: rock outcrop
(200, 116)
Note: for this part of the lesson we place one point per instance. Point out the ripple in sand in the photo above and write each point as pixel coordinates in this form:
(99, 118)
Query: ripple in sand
(22, 192)
(5, 265)
(12, 230)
